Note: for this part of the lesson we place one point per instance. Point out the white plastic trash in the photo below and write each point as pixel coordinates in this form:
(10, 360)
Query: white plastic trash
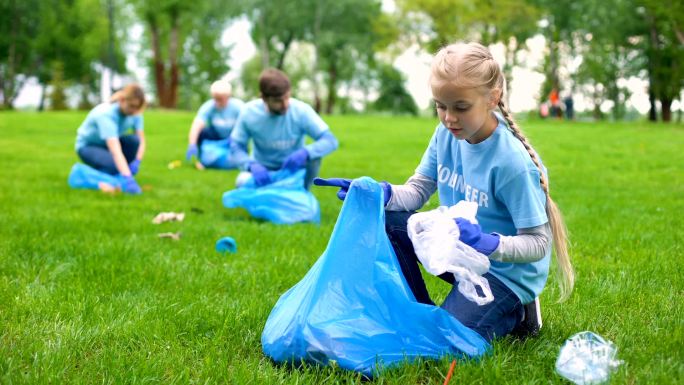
(434, 235)
(586, 358)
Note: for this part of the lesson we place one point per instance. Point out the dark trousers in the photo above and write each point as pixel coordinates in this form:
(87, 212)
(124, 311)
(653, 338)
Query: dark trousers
(101, 159)
(496, 319)
(207, 133)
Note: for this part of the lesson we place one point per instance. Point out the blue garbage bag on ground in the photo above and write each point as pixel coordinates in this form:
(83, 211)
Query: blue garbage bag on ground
(354, 306)
(284, 201)
(216, 154)
(83, 176)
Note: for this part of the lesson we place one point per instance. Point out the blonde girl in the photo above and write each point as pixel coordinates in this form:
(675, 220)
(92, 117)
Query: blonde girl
(478, 154)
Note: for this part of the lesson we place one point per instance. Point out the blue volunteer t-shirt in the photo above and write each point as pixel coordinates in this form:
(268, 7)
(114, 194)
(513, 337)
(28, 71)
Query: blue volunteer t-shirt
(220, 120)
(500, 176)
(277, 136)
(106, 121)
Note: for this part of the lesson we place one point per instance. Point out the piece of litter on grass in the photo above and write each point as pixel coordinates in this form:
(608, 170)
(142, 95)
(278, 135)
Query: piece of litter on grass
(168, 217)
(226, 244)
(174, 164)
(175, 236)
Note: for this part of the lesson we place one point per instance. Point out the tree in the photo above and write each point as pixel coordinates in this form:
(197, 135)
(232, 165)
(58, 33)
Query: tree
(664, 48)
(489, 22)
(393, 96)
(608, 54)
(18, 26)
(169, 23)
(278, 24)
(346, 41)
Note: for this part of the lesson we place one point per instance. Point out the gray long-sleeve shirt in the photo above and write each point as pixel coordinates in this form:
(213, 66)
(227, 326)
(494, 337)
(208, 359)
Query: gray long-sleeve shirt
(529, 245)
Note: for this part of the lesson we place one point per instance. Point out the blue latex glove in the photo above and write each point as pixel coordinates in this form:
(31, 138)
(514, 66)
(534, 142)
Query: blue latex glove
(129, 185)
(343, 184)
(135, 166)
(296, 160)
(192, 151)
(260, 174)
(472, 235)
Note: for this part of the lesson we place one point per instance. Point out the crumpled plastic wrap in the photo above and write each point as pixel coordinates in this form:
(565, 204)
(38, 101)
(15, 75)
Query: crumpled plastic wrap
(586, 358)
(434, 235)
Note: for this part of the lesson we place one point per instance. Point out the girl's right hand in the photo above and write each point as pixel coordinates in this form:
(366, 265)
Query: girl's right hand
(344, 184)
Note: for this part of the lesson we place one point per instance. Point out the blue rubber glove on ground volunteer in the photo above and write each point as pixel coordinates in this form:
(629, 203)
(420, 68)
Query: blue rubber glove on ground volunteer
(296, 160)
(344, 184)
(472, 235)
(129, 185)
(192, 151)
(134, 166)
(260, 174)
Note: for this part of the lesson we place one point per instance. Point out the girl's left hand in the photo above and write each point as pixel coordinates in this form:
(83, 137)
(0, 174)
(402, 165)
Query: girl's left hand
(472, 235)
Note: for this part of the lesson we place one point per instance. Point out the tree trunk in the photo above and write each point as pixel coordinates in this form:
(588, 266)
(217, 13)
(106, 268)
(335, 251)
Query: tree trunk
(314, 70)
(286, 46)
(43, 90)
(172, 90)
(159, 75)
(8, 91)
(666, 109)
(652, 65)
(652, 111)
(332, 91)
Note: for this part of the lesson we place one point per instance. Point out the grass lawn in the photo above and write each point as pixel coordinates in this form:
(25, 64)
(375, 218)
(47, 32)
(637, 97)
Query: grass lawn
(89, 293)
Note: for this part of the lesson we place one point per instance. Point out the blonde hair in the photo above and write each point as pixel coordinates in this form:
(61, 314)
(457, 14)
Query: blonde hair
(131, 93)
(471, 65)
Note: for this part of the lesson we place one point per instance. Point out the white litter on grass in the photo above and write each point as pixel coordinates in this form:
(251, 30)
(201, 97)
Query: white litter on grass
(168, 217)
(586, 358)
(175, 236)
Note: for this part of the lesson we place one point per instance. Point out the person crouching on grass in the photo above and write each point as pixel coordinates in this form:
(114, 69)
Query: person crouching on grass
(215, 118)
(111, 138)
(277, 125)
(476, 154)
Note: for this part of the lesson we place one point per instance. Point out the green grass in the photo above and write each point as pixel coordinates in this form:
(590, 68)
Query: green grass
(89, 294)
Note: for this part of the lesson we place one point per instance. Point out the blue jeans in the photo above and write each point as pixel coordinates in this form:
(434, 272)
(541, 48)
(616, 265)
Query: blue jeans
(101, 159)
(495, 319)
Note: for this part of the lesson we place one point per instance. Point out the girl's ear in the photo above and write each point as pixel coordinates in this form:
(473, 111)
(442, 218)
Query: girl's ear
(494, 97)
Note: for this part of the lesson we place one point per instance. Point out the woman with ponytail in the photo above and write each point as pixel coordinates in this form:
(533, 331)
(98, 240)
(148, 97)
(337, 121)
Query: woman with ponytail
(480, 154)
(111, 139)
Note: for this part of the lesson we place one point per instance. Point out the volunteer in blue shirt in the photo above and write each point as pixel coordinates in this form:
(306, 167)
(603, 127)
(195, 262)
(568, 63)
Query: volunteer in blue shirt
(277, 125)
(215, 118)
(111, 139)
(479, 155)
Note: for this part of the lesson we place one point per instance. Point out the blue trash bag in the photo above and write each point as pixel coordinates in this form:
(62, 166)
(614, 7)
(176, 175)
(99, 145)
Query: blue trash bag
(284, 201)
(354, 306)
(216, 154)
(83, 176)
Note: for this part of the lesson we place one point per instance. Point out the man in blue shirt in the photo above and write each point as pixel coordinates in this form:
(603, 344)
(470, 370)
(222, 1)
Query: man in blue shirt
(276, 124)
(215, 118)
